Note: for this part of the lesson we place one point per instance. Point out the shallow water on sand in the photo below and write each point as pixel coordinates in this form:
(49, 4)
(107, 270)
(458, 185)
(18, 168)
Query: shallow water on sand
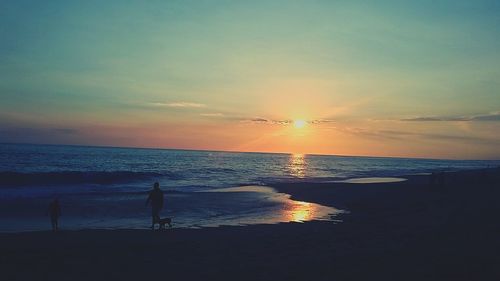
(231, 206)
(103, 187)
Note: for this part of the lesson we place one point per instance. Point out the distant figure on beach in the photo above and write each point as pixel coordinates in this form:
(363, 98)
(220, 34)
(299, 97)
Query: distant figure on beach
(156, 199)
(54, 211)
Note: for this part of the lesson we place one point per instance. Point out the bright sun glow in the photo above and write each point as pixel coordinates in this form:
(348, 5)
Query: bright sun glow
(299, 124)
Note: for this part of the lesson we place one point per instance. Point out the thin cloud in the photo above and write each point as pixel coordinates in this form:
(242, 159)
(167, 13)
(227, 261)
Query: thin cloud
(494, 116)
(404, 136)
(321, 121)
(217, 114)
(439, 119)
(260, 120)
(178, 104)
(282, 122)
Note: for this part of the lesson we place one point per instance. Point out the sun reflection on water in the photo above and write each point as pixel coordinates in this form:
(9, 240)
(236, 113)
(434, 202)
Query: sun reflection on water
(297, 165)
(302, 211)
(284, 209)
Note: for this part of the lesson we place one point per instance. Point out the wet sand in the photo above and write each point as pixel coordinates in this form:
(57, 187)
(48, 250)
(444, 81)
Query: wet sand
(394, 231)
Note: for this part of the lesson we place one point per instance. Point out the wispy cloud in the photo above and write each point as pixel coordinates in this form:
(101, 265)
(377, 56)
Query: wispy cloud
(493, 116)
(259, 120)
(262, 120)
(321, 121)
(405, 135)
(181, 104)
(216, 114)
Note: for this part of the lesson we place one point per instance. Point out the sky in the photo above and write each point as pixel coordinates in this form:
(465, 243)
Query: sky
(377, 78)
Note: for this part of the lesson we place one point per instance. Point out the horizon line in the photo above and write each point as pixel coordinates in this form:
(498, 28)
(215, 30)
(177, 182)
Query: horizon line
(235, 151)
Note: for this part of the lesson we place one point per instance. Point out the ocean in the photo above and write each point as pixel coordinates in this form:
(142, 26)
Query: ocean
(105, 187)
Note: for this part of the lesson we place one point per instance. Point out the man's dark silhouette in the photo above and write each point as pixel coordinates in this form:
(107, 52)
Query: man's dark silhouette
(156, 199)
(54, 212)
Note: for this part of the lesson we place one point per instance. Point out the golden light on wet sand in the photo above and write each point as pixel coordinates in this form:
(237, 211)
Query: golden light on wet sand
(302, 211)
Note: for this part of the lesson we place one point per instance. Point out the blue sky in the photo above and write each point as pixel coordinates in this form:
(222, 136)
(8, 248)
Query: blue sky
(169, 73)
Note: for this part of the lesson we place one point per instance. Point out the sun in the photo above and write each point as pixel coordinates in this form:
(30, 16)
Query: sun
(298, 124)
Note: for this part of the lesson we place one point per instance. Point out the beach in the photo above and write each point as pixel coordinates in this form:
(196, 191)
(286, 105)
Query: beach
(409, 230)
(249, 140)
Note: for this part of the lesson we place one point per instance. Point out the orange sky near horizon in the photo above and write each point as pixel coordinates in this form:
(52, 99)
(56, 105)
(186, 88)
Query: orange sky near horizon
(372, 78)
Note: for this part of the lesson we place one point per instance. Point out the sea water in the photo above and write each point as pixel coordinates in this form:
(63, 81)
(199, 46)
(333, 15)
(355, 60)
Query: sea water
(104, 187)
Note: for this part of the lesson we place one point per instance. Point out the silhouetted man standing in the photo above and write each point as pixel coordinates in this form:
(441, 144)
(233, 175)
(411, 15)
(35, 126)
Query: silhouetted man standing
(156, 199)
(54, 212)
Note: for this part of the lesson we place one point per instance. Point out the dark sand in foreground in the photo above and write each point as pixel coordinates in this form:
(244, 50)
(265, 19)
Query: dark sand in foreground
(394, 231)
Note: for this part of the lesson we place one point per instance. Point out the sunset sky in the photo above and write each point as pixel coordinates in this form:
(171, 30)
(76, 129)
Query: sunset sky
(380, 78)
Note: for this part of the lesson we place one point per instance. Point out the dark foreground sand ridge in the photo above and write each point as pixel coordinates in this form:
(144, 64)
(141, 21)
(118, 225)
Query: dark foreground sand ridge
(394, 231)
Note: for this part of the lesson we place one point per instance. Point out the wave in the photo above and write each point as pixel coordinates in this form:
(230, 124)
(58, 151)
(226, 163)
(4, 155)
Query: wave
(213, 170)
(78, 177)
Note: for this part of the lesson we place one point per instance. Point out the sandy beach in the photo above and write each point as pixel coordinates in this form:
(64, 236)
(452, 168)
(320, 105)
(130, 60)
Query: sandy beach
(250, 140)
(407, 230)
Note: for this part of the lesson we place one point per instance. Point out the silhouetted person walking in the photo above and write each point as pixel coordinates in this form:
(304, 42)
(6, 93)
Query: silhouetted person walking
(156, 199)
(54, 211)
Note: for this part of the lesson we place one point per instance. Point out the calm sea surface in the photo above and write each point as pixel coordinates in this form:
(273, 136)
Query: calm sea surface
(106, 187)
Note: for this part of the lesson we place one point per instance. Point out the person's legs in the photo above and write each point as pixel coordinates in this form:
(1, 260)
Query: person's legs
(153, 221)
(155, 216)
(53, 221)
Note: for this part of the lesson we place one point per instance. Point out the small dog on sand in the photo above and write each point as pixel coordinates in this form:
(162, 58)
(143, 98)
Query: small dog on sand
(163, 222)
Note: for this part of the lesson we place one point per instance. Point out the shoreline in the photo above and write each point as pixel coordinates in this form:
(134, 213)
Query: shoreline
(398, 231)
